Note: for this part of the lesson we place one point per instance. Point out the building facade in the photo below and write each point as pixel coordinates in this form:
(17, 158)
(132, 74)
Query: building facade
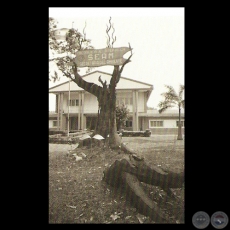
(82, 107)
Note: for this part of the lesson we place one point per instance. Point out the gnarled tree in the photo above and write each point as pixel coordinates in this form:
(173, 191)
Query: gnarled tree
(128, 172)
(105, 93)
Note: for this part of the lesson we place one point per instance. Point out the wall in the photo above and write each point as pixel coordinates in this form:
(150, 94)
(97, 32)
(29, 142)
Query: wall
(167, 123)
(141, 104)
(166, 131)
(169, 126)
(91, 104)
(51, 124)
(72, 109)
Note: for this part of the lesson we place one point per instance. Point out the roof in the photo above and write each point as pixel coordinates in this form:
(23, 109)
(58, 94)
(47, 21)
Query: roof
(166, 114)
(161, 115)
(123, 84)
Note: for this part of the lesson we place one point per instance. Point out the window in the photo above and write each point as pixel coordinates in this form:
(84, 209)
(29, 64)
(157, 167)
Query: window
(73, 102)
(128, 123)
(182, 123)
(155, 124)
(125, 101)
(54, 123)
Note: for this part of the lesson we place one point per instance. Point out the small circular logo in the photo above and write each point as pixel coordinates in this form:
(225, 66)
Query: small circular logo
(201, 220)
(219, 220)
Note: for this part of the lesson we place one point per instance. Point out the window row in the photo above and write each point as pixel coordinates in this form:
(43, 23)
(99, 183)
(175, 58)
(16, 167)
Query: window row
(161, 123)
(73, 102)
(120, 101)
(152, 123)
(125, 101)
(156, 123)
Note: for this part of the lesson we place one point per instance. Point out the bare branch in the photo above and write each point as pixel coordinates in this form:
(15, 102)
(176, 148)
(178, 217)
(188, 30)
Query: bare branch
(114, 39)
(107, 32)
(99, 79)
(55, 59)
(68, 75)
(127, 61)
(90, 87)
(104, 84)
(108, 39)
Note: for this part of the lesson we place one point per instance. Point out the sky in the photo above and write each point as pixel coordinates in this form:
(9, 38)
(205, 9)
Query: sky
(156, 35)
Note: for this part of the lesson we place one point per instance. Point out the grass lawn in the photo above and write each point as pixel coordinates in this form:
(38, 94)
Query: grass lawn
(77, 193)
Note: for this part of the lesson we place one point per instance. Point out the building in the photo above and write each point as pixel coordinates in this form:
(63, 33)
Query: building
(83, 106)
(164, 123)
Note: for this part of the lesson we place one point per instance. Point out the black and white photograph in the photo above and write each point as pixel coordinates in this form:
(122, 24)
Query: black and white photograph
(116, 116)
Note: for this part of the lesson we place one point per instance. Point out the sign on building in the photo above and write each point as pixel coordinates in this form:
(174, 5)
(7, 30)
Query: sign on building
(100, 57)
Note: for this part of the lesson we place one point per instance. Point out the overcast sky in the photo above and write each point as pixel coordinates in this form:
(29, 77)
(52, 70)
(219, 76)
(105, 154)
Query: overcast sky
(155, 34)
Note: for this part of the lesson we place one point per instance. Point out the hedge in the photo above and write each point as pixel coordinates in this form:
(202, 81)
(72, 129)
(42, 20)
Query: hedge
(146, 133)
(53, 132)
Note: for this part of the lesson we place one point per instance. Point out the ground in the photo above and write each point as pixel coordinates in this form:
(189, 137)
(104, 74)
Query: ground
(77, 193)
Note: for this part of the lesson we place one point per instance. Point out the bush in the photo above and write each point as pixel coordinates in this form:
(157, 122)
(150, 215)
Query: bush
(53, 132)
(146, 133)
(63, 140)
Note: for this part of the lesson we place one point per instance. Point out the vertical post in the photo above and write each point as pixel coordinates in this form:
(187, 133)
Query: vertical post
(69, 103)
(179, 137)
(68, 110)
(137, 117)
(82, 110)
(58, 112)
(134, 110)
(79, 111)
(61, 111)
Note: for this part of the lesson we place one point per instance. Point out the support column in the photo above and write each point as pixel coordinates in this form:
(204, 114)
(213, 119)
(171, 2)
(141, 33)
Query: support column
(145, 102)
(56, 104)
(58, 112)
(82, 111)
(134, 110)
(137, 116)
(79, 111)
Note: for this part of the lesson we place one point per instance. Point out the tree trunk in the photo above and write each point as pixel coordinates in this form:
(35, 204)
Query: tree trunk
(114, 139)
(106, 95)
(103, 119)
(106, 121)
(126, 175)
(151, 174)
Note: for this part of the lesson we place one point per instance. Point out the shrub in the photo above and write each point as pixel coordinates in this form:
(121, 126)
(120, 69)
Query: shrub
(146, 133)
(63, 140)
(53, 132)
